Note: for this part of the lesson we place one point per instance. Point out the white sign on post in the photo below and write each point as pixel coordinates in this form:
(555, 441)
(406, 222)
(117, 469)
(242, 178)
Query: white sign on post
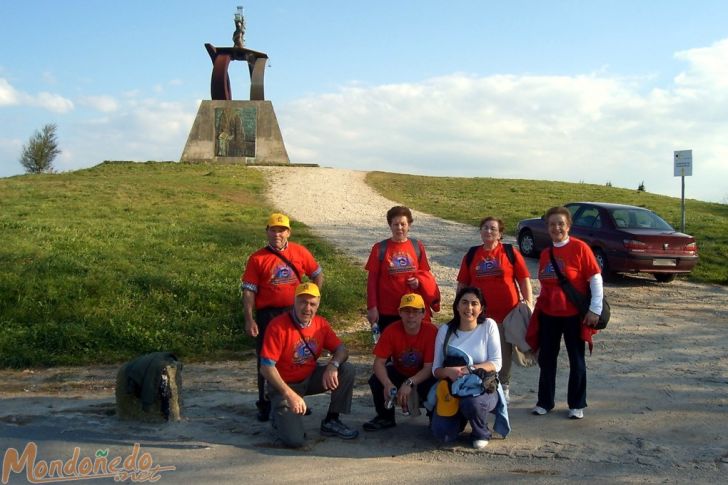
(683, 163)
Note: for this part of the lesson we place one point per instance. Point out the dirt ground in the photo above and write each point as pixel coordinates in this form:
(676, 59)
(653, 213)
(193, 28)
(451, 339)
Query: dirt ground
(657, 394)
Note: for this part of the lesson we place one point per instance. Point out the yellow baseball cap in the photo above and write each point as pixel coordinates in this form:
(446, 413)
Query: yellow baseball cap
(281, 220)
(412, 300)
(308, 289)
(447, 404)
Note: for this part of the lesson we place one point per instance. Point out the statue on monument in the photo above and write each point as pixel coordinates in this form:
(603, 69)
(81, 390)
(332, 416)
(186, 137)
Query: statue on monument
(236, 131)
(222, 56)
(239, 34)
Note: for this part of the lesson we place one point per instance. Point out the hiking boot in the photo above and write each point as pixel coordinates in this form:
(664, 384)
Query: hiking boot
(576, 413)
(263, 410)
(379, 422)
(338, 429)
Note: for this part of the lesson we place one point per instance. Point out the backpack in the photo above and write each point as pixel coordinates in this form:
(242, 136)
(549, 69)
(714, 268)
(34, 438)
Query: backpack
(507, 247)
(383, 248)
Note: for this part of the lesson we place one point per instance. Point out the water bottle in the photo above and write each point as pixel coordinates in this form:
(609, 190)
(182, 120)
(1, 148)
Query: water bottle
(375, 333)
(392, 398)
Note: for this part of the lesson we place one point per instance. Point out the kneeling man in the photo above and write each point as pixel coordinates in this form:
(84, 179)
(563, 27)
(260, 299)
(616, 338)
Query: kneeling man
(292, 345)
(410, 344)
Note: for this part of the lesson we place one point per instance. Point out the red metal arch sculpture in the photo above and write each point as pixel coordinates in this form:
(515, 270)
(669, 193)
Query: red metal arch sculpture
(220, 82)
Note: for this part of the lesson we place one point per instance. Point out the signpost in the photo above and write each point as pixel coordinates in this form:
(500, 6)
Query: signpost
(683, 168)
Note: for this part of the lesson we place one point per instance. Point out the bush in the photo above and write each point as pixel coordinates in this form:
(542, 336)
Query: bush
(40, 151)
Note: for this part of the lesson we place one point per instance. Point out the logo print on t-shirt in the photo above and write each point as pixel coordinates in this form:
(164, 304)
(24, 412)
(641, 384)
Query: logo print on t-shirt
(488, 268)
(282, 275)
(301, 353)
(548, 270)
(410, 359)
(401, 263)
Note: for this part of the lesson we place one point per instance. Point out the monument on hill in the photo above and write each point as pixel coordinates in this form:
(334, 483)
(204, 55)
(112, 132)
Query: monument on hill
(236, 131)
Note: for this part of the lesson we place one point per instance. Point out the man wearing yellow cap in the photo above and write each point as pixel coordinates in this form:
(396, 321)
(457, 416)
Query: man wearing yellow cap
(292, 345)
(410, 344)
(268, 285)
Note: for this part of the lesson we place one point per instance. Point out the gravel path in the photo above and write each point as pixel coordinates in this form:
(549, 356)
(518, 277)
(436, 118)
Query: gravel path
(338, 205)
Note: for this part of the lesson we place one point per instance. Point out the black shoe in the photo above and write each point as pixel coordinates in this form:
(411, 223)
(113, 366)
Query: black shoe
(378, 423)
(338, 429)
(263, 410)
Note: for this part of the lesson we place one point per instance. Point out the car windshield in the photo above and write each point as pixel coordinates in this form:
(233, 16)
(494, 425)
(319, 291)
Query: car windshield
(638, 219)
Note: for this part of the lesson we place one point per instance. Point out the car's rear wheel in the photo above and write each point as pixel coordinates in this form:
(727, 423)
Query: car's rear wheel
(665, 277)
(526, 243)
(603, 263)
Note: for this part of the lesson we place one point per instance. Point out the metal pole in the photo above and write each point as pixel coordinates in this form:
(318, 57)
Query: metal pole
(682, 204)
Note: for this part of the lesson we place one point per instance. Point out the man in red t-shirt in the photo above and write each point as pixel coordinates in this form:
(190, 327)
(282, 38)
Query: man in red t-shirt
(292, 345)
(410, 344)
(268, 284)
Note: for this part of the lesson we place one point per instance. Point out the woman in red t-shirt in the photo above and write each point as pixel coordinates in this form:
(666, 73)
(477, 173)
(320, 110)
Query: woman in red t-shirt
(489, 269)
(395, 268)
(557, 316)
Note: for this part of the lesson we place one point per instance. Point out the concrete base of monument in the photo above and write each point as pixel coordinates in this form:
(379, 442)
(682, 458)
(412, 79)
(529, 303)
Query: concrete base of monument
(236, 132)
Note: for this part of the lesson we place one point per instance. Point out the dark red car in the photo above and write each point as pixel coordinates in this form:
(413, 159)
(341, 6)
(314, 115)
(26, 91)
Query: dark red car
(624, 238)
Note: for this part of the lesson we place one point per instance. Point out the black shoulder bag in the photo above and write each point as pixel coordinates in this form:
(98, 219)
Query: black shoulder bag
(580, 300)
(285, 260)
(305, 342)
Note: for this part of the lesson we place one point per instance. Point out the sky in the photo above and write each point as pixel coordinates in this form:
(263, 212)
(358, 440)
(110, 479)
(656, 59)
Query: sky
(598, 92)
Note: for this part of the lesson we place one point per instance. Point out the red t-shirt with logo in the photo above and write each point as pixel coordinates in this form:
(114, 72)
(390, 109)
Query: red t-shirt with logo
(408, 352)
(387, 280)
(492, 273)
(284, 345)
(272, 280)
(577, 262)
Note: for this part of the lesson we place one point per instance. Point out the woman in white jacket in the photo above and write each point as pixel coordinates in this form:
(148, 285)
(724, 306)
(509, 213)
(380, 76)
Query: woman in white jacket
(476, 339)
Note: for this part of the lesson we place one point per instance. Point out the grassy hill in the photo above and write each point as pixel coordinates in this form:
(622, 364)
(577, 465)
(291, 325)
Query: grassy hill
(103, 264)
(468, 200)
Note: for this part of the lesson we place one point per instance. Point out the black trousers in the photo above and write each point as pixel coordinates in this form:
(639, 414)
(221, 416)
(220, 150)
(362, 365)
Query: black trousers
(397, 379)
(263, 318)
(550, 331)
(387, 320)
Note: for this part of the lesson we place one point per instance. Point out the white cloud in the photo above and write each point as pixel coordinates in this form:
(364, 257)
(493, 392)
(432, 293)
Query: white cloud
(9, 96)
(708, 67)
(145, 129)
(50, 101)
(104, 104)
(593, 128)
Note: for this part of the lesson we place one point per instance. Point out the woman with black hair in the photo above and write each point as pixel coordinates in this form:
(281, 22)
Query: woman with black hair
(467, 343)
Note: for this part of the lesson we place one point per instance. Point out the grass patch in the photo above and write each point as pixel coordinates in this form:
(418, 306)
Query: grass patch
(467, 200)
(103, 264)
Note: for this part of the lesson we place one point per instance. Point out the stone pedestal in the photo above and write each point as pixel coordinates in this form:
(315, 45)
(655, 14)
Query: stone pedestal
(235, 132)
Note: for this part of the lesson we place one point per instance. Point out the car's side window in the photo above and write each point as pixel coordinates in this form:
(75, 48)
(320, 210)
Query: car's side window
(573, 208)
(589, 217)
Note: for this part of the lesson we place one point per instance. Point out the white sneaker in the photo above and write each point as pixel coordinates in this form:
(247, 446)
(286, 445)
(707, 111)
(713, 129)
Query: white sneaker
(539, 411)
(480, 444)
(507, 393)
(576, 413)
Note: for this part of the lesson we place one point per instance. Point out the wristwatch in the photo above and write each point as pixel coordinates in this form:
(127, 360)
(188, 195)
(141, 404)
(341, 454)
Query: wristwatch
(410, 382)
(334, 363)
